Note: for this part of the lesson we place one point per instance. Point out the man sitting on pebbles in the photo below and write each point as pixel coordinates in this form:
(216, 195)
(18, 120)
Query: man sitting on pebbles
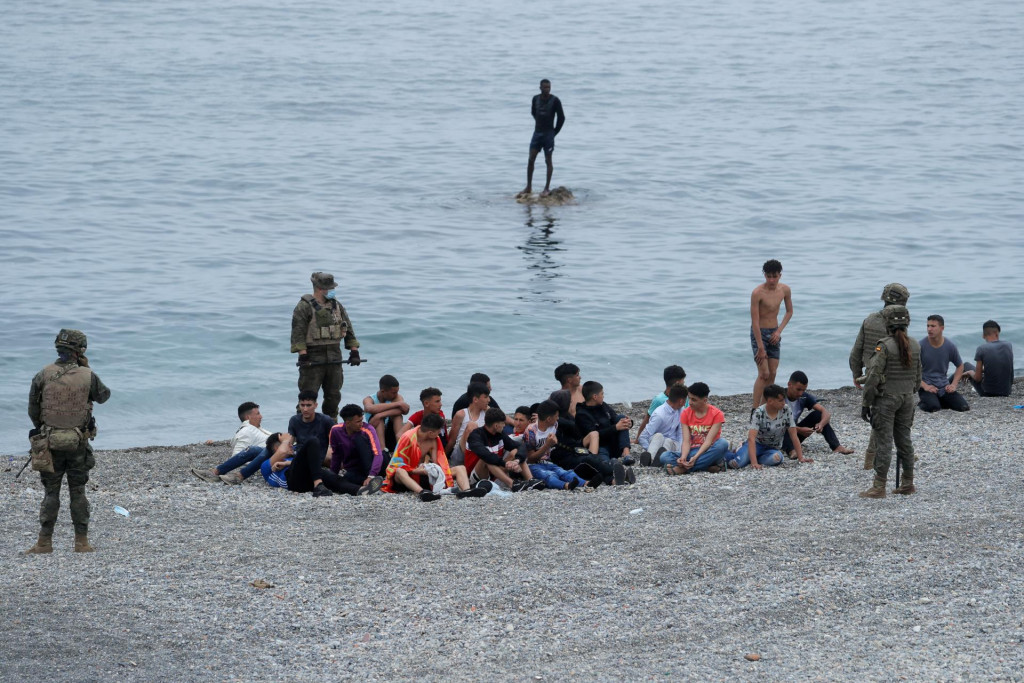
(247, 448)
(703, 447)
(302, 471)
(420, 466)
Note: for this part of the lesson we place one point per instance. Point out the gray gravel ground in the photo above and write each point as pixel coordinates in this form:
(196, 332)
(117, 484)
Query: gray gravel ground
(788, 564)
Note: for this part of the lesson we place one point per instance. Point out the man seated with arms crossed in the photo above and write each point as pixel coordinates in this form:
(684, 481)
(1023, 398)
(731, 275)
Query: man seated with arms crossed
(384, 410)
(703, 448)
(247, 447)
(816, 422)
(769, 422)
(994, 374)
(539, 438)
(356, 448)
(492, 454)
(301, 470)
(431, 400)
(419, 452)
(938, 390)
(664, 432)
(573, 452)
(612, 429)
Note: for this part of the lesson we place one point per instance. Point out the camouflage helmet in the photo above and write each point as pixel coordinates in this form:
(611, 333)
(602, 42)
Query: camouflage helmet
(323, 280)
(895, 293)
(73, 340)
(896, 316)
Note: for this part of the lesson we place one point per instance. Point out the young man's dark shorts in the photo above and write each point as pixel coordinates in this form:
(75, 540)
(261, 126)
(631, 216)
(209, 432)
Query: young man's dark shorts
(771, 350)
(545, 141)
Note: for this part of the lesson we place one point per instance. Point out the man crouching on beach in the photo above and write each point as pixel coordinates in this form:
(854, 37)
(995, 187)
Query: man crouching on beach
(421, 467)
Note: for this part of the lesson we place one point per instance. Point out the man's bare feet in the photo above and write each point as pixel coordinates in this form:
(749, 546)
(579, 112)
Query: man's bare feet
(525, 192)
(545, 193)
(843, 450)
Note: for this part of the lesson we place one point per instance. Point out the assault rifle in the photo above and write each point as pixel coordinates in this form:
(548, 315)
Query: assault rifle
(307, 364)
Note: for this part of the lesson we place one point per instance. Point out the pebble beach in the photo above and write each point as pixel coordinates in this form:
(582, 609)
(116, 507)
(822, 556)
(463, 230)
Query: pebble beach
(782, 574)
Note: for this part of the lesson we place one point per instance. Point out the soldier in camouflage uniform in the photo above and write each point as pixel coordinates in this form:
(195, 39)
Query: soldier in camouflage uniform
(60, 406)
(319, 323)
(890, 399)
(871, 331)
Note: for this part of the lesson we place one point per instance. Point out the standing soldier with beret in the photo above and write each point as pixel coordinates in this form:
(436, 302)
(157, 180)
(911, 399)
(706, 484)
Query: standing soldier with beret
(319, 323)
(890, 399)
(60, 407)
(871, 331)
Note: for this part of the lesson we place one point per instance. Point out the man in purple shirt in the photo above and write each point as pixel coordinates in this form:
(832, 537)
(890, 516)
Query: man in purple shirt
(356, 448)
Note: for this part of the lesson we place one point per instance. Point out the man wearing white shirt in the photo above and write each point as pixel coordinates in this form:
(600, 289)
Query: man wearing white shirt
(663, 431)
(247, 448)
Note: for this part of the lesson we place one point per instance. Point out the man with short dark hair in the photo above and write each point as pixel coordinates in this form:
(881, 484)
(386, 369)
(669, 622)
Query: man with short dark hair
(765, 328)
(816, 421)
(993, 375)
(430, 398)
(300, 469)
(568, 377)
(612, 429)
(497, 456)
(703, 445)
(247, 447)
(462, 401)
(664, 431)
(673, 375)
(356, 448)
(548, 118)
(384, 411)
(311, 425)
(938, 390)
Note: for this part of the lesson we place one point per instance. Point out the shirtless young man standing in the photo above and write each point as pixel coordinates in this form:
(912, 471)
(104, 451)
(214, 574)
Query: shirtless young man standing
(765, 329)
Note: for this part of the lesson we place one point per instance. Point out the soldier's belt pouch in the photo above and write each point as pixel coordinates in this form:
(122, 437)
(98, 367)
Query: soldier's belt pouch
(65, 439)
(42, 460)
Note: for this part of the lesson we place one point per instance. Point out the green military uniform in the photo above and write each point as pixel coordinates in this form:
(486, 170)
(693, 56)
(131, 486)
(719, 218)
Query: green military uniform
(60, 406)
(318, 329)
(871, 331)
(890, 391)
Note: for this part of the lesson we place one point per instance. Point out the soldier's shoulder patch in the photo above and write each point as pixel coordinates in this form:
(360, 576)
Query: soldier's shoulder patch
(878, 348)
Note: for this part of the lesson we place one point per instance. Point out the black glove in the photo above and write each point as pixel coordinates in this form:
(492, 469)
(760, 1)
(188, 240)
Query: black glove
(865, 414)
(33, 432)
(353, 357)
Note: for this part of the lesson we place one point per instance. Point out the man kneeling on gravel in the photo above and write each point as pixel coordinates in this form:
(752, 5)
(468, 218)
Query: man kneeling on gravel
(420, 466)
(302, 471)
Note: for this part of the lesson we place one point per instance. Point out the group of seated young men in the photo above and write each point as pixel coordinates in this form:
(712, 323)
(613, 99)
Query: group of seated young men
(571, 439)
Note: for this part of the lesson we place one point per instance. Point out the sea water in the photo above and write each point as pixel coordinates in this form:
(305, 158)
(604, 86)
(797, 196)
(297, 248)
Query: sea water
(172, 173)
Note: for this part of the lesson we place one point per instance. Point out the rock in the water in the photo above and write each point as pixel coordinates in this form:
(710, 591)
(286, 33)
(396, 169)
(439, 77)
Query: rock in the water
(560, 196)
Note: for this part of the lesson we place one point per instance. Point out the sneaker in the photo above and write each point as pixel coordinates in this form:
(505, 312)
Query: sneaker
(372, 487)
(628, 460)
(536, 484)
(630, 475)
(475, 492)
(595, 482)
(646, 459)
(232, 477)
(520, 485)
(618, 474)
(322, 490)
(428, 496)
(572, 485)
(209, 476)
(586, 471)
(484, 485)
(657, 456)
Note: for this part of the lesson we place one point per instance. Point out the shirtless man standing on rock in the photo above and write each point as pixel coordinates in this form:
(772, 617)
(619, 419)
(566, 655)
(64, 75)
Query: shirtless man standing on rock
(765, 329)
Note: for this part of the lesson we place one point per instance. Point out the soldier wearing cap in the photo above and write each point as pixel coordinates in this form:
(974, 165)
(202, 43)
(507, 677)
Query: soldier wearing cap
(60, 407)
(890, 399)
(871, 331)
(319, 324)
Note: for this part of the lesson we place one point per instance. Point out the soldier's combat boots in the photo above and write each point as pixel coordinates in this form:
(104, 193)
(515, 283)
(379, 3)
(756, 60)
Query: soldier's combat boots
(906, 487)
(869, 461)
(42, 546)
(82, 543)
(877, 490)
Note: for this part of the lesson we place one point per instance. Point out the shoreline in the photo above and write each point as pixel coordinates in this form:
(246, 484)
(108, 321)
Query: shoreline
(673, 576)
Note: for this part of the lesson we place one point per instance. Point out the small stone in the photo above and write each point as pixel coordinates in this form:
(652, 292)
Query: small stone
(752, 657)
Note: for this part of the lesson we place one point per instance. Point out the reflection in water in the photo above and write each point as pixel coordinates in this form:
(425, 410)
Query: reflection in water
(538, 250)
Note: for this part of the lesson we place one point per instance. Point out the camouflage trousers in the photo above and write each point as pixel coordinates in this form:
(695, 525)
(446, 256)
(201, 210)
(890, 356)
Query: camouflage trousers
(892, 416)
(329, 377)
(76, 465)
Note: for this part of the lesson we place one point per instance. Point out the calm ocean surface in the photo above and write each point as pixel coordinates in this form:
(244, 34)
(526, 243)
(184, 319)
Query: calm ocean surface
(172, 172)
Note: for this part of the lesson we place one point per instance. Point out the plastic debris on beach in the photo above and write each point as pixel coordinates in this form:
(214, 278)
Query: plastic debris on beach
(637, 511)
(121, 511)
(260, 583)
(560, 196)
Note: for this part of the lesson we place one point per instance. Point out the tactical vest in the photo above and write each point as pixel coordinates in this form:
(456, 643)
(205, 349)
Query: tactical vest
(874, 330)
(327, 326)
(900, 379)
(65, 396)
